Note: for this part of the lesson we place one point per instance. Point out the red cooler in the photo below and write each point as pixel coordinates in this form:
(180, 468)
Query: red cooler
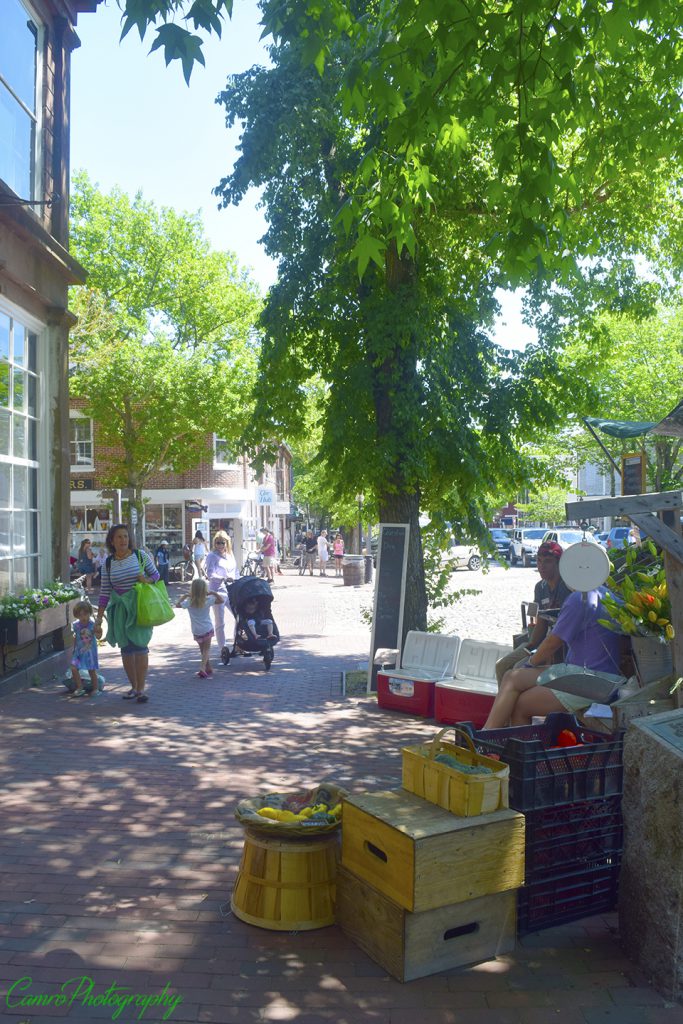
(427, 658)
(469, 696)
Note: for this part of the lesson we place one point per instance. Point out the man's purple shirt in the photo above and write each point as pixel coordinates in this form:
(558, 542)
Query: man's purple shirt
(589, 644)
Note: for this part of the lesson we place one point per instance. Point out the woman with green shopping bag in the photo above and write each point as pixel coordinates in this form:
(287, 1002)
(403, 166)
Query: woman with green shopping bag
(118, 594)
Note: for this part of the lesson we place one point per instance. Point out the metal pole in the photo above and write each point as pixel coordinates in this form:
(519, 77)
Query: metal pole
(617, 468)
(360, 527)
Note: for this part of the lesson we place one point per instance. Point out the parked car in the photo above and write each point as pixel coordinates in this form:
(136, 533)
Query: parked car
(602, 538)
(501, 538)
(617, 537)
(565, 538)
(464, 556)
(525, 544)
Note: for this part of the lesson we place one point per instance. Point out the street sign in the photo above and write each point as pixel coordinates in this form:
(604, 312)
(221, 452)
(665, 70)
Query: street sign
(133, 516)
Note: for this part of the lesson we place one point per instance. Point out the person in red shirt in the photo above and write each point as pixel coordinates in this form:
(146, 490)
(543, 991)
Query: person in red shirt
(269, 552)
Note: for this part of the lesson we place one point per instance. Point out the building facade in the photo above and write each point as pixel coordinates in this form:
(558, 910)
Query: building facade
(37, 38)
(222, 493)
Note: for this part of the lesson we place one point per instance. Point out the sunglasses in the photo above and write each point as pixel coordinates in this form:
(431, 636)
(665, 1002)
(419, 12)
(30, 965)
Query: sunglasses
(220, 543)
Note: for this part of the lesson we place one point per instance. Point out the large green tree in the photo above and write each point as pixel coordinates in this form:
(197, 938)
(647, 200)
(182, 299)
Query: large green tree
(443, 151)
(164, 352)
(636, 373)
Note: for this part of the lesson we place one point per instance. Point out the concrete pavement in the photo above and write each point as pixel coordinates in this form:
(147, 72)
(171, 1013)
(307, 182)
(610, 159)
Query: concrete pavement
(118, 849)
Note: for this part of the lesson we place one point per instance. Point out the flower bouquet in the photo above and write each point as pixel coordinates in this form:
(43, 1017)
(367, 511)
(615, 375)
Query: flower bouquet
(638, 598)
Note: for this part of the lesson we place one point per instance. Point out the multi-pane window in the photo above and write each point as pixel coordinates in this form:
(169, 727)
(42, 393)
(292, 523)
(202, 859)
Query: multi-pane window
(81, 442)
(19, 406)
(164, 522)
(18, 92)
(223, 454)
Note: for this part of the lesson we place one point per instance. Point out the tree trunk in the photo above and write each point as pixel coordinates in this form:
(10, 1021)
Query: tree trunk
(398, 416)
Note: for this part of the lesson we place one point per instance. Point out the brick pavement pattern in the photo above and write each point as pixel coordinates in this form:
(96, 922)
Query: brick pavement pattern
(119, 849)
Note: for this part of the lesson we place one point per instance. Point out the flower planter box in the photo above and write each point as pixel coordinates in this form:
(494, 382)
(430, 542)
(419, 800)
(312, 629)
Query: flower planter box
(16, 658)
(15, 632)
(50, 619)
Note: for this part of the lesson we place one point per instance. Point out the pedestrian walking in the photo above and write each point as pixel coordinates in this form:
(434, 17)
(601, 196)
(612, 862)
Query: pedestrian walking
(269, 553)
(198, 605)
(125, 566)
(309, 553)
(199, 551)
(86, 562)
(221, 570)
(84, 653)
(163, 558)
(338, 552)
(323, 552)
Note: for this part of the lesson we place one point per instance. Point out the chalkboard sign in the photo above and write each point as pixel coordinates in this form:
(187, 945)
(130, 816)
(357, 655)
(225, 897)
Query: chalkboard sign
(633, 474)
(390, 589)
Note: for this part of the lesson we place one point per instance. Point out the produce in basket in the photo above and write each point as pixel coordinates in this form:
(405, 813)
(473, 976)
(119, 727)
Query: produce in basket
(312, 811)
(469, 769)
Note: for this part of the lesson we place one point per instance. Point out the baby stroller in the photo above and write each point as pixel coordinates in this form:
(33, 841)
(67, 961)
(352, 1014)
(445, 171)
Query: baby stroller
(250, 597)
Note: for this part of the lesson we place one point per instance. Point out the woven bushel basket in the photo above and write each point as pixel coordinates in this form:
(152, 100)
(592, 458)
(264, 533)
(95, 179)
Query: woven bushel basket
(247, 814)
(463, 794)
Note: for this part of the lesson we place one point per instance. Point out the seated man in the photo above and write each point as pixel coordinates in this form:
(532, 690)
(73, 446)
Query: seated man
(549, 593)
(591, 647)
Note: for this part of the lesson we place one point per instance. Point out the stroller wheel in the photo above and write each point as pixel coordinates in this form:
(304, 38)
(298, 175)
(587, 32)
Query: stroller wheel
(225, 655)
(268, 657)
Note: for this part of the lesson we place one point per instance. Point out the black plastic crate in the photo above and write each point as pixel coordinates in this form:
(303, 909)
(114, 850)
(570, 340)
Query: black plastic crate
(559, 899)
(571, 836)
(543, 777)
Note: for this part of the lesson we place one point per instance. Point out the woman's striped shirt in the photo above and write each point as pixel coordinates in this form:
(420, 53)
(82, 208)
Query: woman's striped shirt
(122, 575)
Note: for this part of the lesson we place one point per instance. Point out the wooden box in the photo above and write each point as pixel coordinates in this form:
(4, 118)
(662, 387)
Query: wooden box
(423, 857)
(412, 946)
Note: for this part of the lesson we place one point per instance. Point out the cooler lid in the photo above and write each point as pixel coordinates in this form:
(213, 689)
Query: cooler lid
(431, 652)
(477, 659)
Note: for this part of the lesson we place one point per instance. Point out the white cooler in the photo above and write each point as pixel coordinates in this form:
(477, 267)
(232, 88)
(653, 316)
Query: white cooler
(427, 659)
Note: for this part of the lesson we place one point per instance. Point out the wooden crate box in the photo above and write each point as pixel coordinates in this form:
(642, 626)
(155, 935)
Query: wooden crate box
(412, 946)
(423, 857)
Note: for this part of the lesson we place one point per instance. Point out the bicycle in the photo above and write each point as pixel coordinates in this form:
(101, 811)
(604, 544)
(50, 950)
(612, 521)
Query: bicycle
(183, 571)
(253, 566)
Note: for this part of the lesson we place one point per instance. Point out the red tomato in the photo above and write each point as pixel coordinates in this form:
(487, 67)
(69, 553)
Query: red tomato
(566, 738)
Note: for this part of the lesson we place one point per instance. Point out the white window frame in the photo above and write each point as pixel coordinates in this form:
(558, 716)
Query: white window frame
(74, 414)
(217, 464)
(43, 560)
(36, 166)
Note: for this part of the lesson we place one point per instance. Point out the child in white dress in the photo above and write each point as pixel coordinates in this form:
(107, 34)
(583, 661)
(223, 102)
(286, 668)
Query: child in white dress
(198, 605)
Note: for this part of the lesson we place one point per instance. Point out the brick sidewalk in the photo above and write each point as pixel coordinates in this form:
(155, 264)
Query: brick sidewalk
(118, 848)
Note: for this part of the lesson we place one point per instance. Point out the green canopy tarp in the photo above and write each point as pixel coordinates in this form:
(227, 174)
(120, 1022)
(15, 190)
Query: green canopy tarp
(620, 428)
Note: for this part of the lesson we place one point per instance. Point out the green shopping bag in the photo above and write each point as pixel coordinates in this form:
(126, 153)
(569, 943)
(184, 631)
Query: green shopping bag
(154, 607)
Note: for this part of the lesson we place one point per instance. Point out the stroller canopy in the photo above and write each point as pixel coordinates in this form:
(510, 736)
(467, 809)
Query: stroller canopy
(245, 588)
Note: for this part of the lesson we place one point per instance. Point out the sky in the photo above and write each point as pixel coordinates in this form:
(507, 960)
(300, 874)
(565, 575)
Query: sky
(135, 124)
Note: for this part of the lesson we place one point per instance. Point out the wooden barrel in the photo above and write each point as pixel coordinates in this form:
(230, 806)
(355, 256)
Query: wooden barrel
(286, 884)
(353, 570)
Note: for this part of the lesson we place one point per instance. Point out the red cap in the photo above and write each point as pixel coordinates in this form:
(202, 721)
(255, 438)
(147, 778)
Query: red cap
(550, 548)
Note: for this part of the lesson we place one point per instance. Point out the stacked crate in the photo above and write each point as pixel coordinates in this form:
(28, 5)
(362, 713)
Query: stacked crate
(571, 798)
(422, 890)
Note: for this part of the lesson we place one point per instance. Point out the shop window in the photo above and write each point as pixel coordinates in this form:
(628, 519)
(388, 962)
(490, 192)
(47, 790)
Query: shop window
(19, 70)
(19, 466)
(80, 441)
(164, 522)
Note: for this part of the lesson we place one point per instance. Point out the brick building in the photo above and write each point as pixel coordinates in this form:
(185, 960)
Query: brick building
(222, 493)
(37, 38)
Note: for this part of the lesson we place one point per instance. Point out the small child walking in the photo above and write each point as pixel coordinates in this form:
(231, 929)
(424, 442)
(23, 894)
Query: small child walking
(84, 655)
(257, 626)
(198, 605)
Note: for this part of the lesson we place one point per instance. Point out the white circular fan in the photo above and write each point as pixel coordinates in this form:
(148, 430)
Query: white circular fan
(584, 566)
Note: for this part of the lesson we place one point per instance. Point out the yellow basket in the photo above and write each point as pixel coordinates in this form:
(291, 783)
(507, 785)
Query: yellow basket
(463, 794)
